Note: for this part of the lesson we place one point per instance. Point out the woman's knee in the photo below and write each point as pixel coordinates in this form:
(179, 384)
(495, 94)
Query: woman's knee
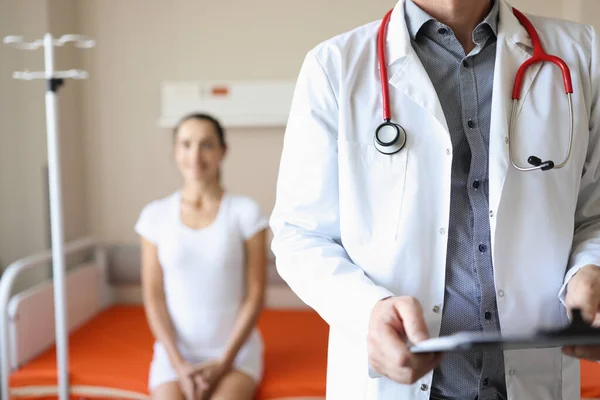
(235, 385)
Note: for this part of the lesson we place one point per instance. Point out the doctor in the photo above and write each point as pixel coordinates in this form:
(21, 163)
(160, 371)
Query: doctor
(444, 233)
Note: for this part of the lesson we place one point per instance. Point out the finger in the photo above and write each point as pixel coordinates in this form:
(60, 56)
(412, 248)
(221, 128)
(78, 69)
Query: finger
(200, 382)
(196, 368)
(584, 293)
(393, 349)
(188, 389)
(388, 352)
(569, 351)
(591, 353)
(397, 358)
(411, 314)
(421, 364)
(206, 376)
(200, 389)
(383, 337)
(385, 349)
(585, 302)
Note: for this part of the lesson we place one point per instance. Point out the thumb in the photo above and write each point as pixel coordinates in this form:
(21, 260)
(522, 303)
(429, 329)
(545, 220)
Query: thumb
(583, 292)
(197, 368)
(586, 298)
(200, 382)
(411, 314)
(587, 303)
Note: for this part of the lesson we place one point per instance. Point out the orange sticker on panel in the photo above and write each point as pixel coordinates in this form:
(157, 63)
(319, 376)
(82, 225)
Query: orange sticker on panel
(220, 91)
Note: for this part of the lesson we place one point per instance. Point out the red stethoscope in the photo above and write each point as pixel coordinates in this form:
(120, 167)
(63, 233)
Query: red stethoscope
(390, 137)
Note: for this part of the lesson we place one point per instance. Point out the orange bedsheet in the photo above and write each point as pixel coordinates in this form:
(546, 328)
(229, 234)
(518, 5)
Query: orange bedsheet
(590, 380)
(115, 349)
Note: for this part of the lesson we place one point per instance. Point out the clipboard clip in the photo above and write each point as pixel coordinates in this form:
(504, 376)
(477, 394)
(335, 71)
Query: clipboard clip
(577, 327)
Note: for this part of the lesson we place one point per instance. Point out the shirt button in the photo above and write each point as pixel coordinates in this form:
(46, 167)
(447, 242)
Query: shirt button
(476, 184)
(488, 315)
(442, 31)
(471, 124)
(486, 381)
(501, 293)
(482, 248)
(436, 309)
(465, 63)
(424, 387)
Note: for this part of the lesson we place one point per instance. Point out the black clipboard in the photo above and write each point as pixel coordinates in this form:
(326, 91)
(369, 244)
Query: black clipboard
(578, 332)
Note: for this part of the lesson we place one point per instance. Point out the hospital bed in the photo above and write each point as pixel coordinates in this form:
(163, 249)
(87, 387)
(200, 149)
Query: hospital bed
(110, 343)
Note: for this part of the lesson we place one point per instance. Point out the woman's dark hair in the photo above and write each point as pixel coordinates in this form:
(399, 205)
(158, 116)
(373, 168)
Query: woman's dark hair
(203, 117)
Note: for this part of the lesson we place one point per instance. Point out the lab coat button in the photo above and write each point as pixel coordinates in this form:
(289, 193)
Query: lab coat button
(506, 139)
(491, 213)
(511, 372)
(501, 293)
(442, 231)
(448, 151)
(424, 387)
(436, 309)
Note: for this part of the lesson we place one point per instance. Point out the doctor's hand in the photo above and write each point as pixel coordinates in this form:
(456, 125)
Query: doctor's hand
(583, 292)
(394, 322)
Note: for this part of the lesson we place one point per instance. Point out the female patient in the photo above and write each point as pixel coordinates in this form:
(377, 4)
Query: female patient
(203, 276)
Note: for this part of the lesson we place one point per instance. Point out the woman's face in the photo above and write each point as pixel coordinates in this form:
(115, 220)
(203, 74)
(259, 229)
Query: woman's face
(198, 151)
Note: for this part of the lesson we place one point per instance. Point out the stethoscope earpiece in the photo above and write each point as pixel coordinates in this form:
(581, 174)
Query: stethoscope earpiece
(537, 162)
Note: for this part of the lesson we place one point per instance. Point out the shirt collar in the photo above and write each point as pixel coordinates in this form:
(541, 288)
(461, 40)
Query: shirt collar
(416, 18)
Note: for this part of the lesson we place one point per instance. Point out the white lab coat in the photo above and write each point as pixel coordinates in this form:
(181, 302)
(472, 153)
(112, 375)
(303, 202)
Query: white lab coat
(352, 226)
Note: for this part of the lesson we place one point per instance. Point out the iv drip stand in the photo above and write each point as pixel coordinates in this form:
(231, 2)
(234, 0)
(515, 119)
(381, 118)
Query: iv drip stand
(54, 80)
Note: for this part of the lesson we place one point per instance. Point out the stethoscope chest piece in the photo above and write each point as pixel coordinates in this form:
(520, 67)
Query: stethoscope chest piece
(389, 138)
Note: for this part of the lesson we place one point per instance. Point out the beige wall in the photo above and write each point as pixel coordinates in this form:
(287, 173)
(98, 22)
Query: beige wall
(128, 157)
(22, 147)
(141, 43)
(589, 11)
(24, 212)
(9, 95)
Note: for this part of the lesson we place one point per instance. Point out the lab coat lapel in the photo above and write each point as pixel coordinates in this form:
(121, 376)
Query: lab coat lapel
(412, 79)
(513, 49)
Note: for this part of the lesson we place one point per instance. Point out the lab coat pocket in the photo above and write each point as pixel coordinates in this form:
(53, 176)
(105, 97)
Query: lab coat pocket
(371, 191)
(535, 373)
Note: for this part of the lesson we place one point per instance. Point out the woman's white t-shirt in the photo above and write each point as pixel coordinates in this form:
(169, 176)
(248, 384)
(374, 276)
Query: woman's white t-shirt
(203, 269)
